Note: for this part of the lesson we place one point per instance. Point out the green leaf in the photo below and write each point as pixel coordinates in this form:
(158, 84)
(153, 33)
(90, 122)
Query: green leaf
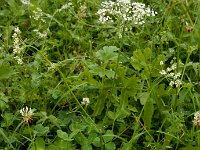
(55, 121)
(9, 118)
(107, 53)
(148, 113)
(108, 136)
(40, 130)
(99, 106)
(97, 142)
(143, 97)
(111, 115)
(140, 58)
(63, 135)
(110, 74)
(61, 145)
(91, 137)
(83, 141)
(40, 144)
(119, 114)
(110, 146)
(129, 145)
(189, 147)
(6, 139)
(6, 72)
(3, 101)
(131, 85)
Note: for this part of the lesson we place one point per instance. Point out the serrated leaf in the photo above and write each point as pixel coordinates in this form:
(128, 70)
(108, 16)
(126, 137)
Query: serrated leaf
(107, 53)
(140, 58)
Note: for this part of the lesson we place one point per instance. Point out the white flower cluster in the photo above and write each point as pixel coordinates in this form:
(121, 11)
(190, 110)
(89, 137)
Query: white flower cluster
(17, 45)
(86, 101)
(26, 2)
(125, 10)
(27, 114)
(82, 12)
(172, 75)
(38, 15)
(42, 35)
(196, 120)
(65, 6)
(52, 67)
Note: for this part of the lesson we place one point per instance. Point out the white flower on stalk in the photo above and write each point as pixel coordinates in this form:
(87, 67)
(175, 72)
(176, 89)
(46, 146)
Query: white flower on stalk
(161, 63)
(19, 60)
(27, 114)
(17, 48)
(85, 101)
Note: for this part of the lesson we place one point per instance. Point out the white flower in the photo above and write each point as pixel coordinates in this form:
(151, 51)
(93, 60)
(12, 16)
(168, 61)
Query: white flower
(27, 114)
(173, 66)
(168, 69)
(178, 83)
(171, 50)
(65, 6)
(196, 120)
(161, 62)
(172, 75)
(17, 48)
(19, 60)
(177, 75)
(163, 72)
(52, 67)
(85, 101)
(38, 15)
(171, 83)
(26, 2)
(17, 31)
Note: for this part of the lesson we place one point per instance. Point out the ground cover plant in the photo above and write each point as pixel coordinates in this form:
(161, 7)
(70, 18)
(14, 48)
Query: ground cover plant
(102, 75)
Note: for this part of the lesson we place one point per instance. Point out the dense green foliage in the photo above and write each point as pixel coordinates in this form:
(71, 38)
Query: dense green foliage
(102, 86)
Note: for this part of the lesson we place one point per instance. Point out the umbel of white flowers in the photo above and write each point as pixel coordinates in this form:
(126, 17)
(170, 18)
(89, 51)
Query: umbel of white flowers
(124, 10)
(170, 74)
